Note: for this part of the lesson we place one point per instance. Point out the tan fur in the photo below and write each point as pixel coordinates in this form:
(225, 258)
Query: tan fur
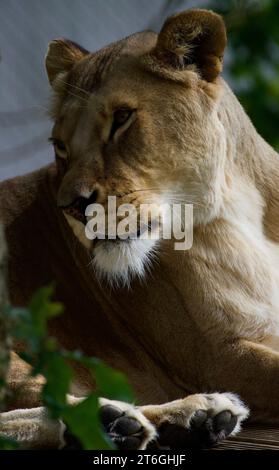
(204, 320)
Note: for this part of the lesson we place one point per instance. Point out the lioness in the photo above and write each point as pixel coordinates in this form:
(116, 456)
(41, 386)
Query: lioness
(149, 118)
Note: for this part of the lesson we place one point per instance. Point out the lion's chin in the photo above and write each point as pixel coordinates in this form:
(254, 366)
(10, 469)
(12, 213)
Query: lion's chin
(119, 261)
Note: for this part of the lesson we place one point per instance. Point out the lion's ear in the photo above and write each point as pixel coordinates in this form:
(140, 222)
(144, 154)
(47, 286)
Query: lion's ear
(61, 55)
(193, 37)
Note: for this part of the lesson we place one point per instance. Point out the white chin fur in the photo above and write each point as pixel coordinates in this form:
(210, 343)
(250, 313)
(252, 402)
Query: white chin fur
(120, 260)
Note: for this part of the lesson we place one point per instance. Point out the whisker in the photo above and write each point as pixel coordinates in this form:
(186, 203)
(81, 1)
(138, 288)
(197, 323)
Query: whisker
(77, 96)
(172, 196)
(74, 86)
(155, 189)
(179, 201)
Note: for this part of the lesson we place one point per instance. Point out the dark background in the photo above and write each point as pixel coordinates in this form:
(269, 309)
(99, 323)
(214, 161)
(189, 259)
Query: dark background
(26, 27)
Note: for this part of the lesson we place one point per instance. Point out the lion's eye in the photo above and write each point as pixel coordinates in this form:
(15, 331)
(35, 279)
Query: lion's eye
(59, 147)
(120, 117)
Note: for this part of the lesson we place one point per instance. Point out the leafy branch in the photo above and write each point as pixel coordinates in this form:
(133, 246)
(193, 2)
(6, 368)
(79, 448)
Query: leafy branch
(46, 358)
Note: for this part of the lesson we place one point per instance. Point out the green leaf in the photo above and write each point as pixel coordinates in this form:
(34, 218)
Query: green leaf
(42, 309)
(112, 383)
(58, 374)
(83, 422)
(30, 325)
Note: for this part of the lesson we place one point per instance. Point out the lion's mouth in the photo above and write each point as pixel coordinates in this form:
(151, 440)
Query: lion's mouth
(77, 208)
(117, 258)
(142, 231)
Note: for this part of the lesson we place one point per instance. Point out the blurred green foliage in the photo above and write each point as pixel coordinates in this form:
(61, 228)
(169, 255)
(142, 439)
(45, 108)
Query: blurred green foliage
(43, 354)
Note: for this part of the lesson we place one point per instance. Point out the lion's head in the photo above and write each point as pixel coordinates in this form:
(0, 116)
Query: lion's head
(139, 120)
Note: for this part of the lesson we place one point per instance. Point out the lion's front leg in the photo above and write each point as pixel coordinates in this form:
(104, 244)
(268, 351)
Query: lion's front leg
(33, 429)
(199, 420)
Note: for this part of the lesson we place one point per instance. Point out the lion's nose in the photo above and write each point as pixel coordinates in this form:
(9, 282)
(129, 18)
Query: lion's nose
(78, 207)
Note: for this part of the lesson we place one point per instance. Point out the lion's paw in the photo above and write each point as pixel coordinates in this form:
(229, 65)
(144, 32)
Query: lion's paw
(126, 426)
(199, 421)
